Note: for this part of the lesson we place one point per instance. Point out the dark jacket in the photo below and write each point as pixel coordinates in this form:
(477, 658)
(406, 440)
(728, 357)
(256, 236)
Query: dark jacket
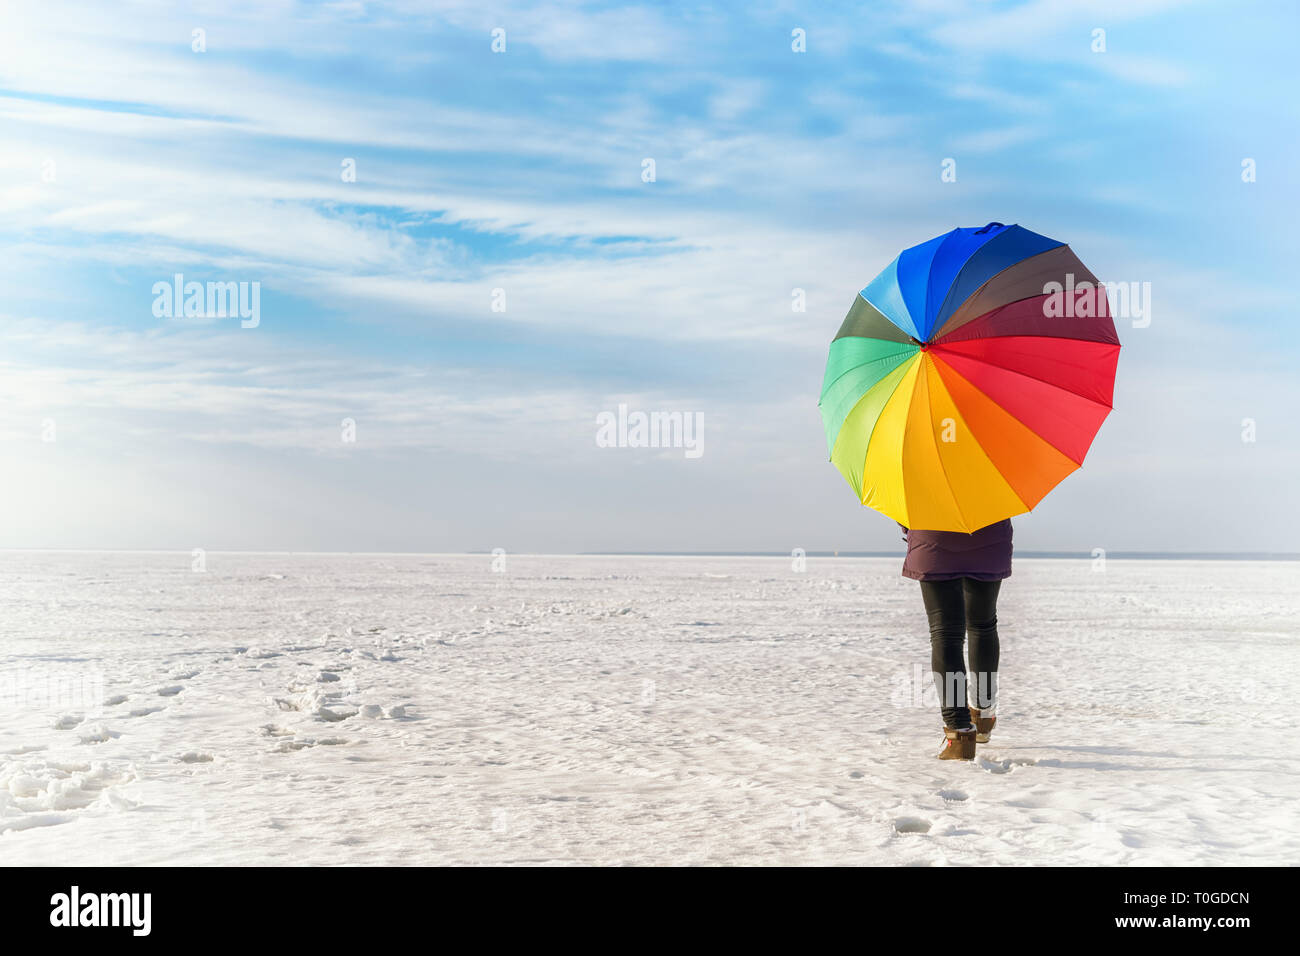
(984, 555)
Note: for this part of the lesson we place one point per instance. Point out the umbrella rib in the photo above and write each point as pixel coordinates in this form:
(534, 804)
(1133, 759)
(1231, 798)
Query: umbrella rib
(941, 343)
(1011, 371)
(887, 316)
(866, 448)
(902, 446)
(942, 467)
(978, 444)
(1078, 464)
(904, 348)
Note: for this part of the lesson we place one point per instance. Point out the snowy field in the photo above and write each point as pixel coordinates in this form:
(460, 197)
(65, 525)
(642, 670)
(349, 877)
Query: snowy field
(398, 709)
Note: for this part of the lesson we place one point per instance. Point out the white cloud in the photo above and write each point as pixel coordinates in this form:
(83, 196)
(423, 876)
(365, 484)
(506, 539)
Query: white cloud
(994, 140)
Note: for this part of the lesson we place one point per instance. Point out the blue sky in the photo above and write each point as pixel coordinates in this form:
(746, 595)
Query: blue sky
(126, 157)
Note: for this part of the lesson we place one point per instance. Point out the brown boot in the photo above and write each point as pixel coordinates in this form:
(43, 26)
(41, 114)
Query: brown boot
(958, 744)
(983, 725)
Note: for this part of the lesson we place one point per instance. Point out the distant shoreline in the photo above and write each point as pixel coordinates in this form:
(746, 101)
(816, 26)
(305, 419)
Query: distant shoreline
(1074, 555)
(1052, 555)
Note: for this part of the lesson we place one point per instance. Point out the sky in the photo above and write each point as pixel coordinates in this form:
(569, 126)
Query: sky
(462, 262)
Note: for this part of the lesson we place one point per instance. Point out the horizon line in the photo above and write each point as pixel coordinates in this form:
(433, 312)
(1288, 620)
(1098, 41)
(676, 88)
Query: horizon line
(1050, 555)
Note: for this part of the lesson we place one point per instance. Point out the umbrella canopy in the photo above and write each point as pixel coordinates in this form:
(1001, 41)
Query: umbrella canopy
(969, 378)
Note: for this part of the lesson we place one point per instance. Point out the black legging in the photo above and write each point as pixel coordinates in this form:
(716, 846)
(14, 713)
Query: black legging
(954, 608)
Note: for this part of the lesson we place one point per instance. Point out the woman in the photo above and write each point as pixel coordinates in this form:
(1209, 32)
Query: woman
(960, 576)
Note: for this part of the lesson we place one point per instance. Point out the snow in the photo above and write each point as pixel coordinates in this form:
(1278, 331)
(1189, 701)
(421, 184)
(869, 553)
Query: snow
(393, 709)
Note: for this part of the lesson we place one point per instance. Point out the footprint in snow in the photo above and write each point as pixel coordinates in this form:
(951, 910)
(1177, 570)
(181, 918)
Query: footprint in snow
(145, 711)
(171, 691)
(302, 743)
(195, 756)
(1005, 765)
(115, 700)
(68, 721)
(953, 796)
(99, 735)
(912, 825)
(335, 712)
(23, 749)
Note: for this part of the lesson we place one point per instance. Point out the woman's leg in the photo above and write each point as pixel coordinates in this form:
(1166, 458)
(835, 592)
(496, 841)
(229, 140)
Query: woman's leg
(945, 608)
(982, 625)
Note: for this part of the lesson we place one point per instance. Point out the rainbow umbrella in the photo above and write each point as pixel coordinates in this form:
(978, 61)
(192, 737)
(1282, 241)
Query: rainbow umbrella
(969, 378)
